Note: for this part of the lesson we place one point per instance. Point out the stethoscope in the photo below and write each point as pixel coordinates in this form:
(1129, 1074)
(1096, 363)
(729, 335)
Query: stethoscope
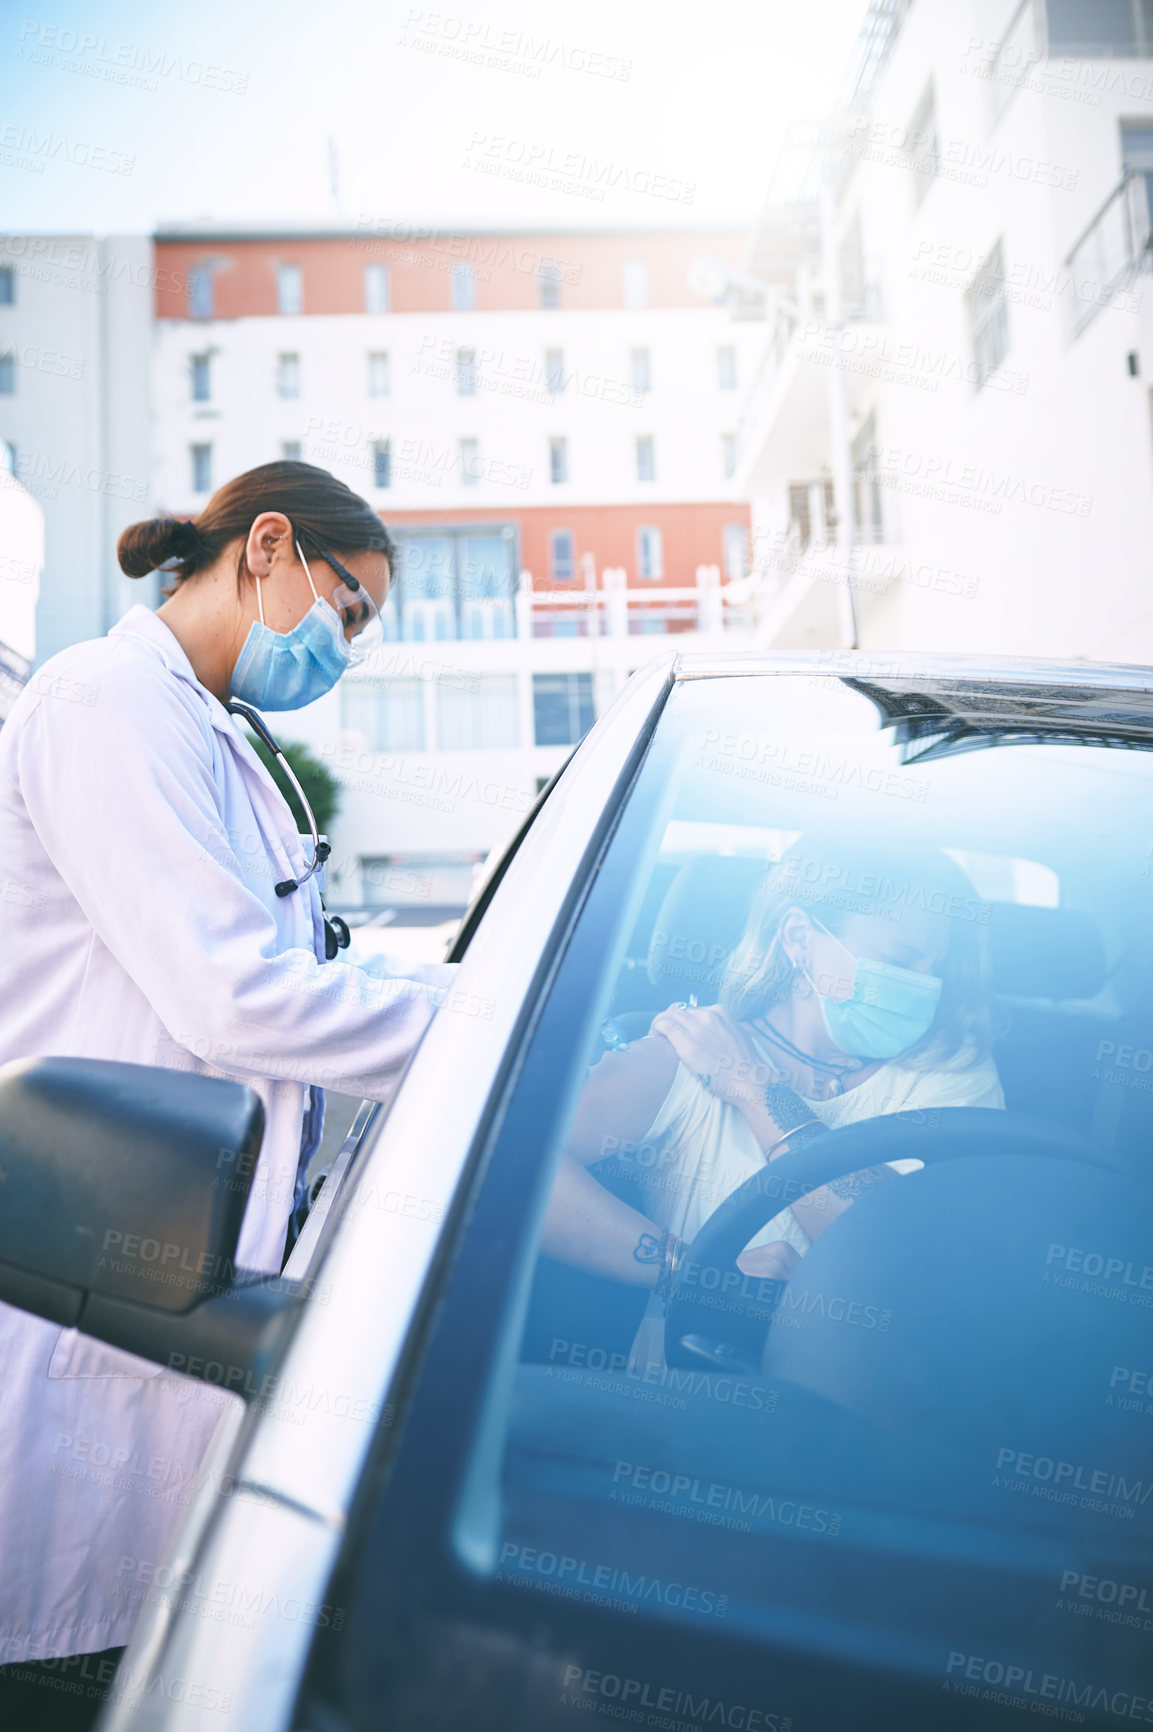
(336, 933)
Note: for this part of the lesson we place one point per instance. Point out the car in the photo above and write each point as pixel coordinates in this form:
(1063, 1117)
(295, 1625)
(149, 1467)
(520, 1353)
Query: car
(464, 1483)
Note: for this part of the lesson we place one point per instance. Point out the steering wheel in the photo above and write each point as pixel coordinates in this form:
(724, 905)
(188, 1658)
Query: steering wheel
(717, 1315)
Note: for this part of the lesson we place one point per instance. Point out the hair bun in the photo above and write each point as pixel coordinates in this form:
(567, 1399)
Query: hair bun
(145, 547)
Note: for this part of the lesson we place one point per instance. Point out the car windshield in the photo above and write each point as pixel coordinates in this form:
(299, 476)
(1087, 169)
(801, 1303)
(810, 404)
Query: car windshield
(821, 1321)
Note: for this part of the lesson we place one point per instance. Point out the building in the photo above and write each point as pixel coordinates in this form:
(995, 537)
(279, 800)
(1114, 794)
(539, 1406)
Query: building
(546, 421)
(21, 563)
(75, 337)
(948, 443)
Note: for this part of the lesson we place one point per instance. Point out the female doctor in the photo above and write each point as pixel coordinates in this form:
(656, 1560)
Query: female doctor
(141, 845)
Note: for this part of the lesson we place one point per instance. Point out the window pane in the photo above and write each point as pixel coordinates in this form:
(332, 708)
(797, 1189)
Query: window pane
(469, 462)
(289, 289)
(558, 460)
(562, 556)
(728, 455)
(562, 706)
(646, 458)
(201, 468)
(463, 287)
(382, 464)
(288, 375)
(989, 315)
(727, 368)
(201, 379)
(7, 375)
(389, 713)
(290, 450)
(554, 371)
(466, 372)
(376, 289)
(636, 284)
(642, 370)
(378, 375)
(1089, 27)
(650, 559)
(7, 286)
(483, 718)
(200, 296)
(736, 545)
(549, 277)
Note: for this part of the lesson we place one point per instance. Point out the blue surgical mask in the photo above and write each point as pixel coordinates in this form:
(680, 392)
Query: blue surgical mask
(286, 670)
(889, 1009)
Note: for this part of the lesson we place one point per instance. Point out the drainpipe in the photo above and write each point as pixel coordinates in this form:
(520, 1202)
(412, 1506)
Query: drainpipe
(842, 452)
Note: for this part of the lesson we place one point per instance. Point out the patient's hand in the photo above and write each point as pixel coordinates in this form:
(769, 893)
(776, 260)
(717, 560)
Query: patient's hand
(715, 1049)
(774, 1262)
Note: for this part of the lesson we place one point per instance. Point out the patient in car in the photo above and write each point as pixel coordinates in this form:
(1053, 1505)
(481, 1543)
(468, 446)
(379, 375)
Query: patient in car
(859, 988)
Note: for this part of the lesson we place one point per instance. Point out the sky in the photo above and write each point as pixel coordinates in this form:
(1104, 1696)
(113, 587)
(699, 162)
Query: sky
(122, 117)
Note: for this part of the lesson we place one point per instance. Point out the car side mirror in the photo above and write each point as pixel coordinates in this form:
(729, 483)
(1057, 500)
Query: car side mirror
(122, 1191)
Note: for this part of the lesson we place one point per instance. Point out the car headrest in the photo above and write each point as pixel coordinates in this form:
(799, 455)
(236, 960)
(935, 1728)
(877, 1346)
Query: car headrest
(700, 923)
(1053, 953)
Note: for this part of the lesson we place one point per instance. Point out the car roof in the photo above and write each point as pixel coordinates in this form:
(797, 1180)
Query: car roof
(928, 692)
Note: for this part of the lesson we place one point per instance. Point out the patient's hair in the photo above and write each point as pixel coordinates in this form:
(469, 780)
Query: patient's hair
(836, 876)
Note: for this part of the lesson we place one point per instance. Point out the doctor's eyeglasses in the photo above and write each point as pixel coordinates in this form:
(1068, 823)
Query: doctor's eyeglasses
(359, 615)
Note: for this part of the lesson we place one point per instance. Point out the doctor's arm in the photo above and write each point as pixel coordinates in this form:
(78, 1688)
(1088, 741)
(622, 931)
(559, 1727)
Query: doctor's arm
(124, 800)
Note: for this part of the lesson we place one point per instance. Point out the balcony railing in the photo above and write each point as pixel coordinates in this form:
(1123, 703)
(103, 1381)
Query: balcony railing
(1113, 249)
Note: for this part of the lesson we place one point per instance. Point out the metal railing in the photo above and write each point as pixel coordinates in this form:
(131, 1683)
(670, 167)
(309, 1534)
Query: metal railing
(1114, 247)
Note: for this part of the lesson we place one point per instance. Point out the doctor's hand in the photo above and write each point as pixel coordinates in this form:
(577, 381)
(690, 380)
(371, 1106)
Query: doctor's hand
(714, 1047)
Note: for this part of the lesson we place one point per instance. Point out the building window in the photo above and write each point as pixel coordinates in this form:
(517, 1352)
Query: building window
(554, 371)
(466, 372)
(924, 146)
(478, 715)
(288, 375)
(377, 289)
(549, 277)
(7, 286)
(558, 460)
(289, 289)
(988, 315)
(8, 458)
(868, 509)
(642, 371)
(636, 284)
(463, 287)
(469, 462)
(736, 550)
(201, 468)
(201, 379)
(646, 457)
(650, 553)
(200, 292)
(378, 377)
(562, 555)
(728, 455)
(453, 583)
(726, 368)
(291, 450)
(7, 375)
(562, 708)
(382, 464)
(388, 713)
(1099, 29)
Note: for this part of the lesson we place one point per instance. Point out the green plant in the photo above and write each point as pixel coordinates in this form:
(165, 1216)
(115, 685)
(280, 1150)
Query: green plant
(320, 785)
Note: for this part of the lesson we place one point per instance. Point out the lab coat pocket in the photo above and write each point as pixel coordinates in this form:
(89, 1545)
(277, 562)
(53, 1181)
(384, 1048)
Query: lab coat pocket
(77, 1355)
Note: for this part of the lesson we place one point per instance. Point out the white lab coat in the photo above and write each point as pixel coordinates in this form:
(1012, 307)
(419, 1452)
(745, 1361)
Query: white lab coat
(140, 840)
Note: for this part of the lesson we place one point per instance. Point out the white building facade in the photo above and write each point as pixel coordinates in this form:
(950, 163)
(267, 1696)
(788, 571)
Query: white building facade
(546, 422)
(949, 442)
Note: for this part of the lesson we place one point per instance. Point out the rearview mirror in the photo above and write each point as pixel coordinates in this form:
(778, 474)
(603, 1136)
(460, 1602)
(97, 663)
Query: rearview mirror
(122, 1190)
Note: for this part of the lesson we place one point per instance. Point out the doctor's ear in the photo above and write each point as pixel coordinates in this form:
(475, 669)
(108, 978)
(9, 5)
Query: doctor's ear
(271, 536)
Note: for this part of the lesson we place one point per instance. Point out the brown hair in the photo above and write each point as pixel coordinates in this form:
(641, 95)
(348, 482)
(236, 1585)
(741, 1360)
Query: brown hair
(322, 510)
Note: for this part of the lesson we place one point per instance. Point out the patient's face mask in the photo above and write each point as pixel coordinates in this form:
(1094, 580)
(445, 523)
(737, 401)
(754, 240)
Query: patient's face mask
(286, 670)
(889, 1009)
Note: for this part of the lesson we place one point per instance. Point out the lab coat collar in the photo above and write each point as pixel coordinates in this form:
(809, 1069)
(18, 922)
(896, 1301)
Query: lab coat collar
(142, 623)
